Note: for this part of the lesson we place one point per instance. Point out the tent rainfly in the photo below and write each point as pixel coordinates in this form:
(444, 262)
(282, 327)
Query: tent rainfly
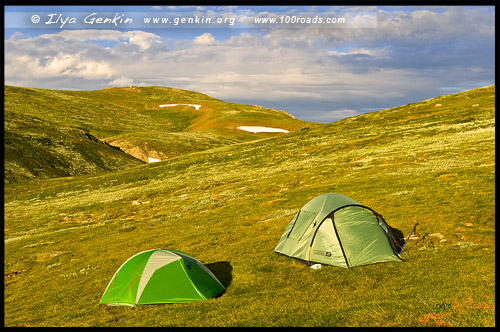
(333, 229)
(161, 276)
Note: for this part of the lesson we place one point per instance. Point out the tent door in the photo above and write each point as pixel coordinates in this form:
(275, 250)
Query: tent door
(326, 248)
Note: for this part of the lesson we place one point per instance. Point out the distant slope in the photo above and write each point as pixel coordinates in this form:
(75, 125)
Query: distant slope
(39, 149)
(47, 132)
(431, 163)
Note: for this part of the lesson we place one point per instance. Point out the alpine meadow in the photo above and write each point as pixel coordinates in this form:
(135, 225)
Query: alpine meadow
(80, 198)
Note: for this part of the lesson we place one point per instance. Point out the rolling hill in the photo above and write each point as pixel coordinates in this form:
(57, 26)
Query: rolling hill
(51, 133)
(431, 162)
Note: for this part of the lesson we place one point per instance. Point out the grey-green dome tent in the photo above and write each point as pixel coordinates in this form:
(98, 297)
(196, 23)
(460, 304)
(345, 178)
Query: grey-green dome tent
(333, 229)
(161, 276)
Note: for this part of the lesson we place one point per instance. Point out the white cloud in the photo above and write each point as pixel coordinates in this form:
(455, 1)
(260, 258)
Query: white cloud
(205, 39)
(409, 54)
(59, 65)
(142, 39)
(374, 52)
(122, 81)
(74, 65)
(83, 35)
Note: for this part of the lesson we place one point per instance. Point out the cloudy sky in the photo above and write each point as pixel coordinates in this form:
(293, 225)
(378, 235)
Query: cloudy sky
(357, 60)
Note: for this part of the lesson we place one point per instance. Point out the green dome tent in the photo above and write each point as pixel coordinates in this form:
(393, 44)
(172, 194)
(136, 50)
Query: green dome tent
(333, 229)
(161, 276)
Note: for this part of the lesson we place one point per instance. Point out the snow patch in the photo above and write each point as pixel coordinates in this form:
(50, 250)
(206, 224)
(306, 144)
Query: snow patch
(196, 106)
(152, 160)
(257, 129)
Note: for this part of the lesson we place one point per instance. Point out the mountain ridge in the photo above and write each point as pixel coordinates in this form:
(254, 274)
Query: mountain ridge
(129, 118)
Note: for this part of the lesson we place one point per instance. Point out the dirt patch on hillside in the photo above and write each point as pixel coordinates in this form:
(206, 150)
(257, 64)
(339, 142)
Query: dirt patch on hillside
(435, 320)
(48, 255)
(139, 152)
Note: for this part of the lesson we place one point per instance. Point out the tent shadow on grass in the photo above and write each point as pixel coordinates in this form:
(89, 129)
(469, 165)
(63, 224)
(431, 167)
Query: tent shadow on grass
(223, 271)
(398, 236)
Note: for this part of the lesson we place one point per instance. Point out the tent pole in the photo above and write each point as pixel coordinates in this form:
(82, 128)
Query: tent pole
(340, 243)
(408, 238)
(309, 261)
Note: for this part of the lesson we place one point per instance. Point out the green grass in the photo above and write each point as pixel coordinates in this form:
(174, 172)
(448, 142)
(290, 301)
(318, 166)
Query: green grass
(50, 133)
(228, 206)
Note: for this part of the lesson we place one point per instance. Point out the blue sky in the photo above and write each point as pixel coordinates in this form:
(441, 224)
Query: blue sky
(384, 57)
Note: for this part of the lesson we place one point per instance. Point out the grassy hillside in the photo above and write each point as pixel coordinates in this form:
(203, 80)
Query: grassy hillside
(51, 133)
(431, 162)
(37, 149)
